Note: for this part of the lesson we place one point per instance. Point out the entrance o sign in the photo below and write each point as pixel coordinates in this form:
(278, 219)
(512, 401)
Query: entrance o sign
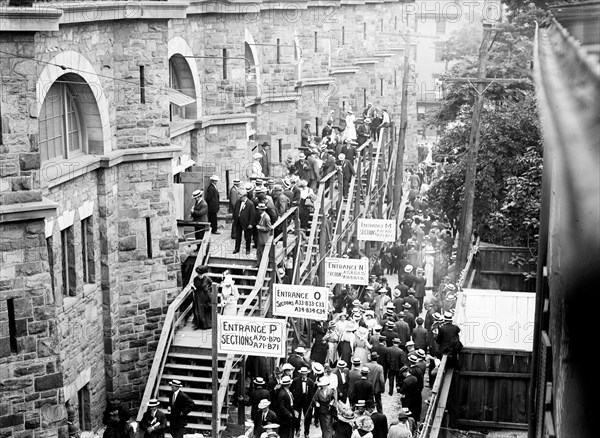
(300, 301)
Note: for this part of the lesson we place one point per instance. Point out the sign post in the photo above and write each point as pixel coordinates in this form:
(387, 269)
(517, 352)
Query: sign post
(376, 230)
(346, 271)
(295, 301)
(251, 336)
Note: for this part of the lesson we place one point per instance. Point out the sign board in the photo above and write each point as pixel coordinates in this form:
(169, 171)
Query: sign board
(377, 230)
(252, 336)
(300, 301)
(346, 271)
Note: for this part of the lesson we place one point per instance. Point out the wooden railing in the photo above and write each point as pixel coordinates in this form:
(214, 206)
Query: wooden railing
(325, 190)
(176, 313)
(248, 308)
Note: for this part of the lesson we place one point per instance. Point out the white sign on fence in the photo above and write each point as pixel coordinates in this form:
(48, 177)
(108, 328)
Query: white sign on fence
(300, 301)
(253, 336)
(346, 271)
(376, 230)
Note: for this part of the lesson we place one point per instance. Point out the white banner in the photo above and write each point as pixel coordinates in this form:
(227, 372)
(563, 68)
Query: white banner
(346, 271)
(253, 336)
(376, 230)
(300, 301)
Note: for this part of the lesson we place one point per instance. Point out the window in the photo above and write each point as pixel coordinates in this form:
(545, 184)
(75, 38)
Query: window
(224, 63)
(148, 238)
(87, 250)
(60, 123)
(50, 248)
(69, 120)
(83, 401)
(12, 325)
(182, 92)
(69, 276)
(420, 112)
(440, 27)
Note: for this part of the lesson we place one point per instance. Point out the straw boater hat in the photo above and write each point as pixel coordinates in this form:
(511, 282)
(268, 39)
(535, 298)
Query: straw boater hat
(175, 383)
(263, 403)
(197, 193)
(408, 269)
(286, 380)
(323, 382)
(448, 316)
(303, 370)
(300, 350)
(153, 403)
(421, 353)
(317, 368)
(287, 366)
(437, 316)
(341, 364)
(259, 381)
(356, 361)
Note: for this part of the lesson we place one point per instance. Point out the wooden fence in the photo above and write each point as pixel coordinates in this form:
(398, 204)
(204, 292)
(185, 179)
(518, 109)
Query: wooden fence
(493, 269)
(491, 389)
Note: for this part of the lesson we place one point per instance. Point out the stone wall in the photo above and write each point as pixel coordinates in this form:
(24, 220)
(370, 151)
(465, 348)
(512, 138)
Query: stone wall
(103, 338)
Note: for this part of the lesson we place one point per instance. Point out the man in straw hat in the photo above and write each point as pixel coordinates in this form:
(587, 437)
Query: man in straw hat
(448, 338)
(402, 428)
(154, 421)
(263, 416)
(410, 393)
(257, 394)
(285, 410)
(199, 213)
(180, 405)
(303, 390)
(212, 199)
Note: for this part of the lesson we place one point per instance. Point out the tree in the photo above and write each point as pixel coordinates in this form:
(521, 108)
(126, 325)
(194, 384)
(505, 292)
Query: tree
(507, 198)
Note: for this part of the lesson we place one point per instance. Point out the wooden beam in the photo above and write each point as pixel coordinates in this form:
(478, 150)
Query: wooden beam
(491, 424)
(497, 375)
(441, 407)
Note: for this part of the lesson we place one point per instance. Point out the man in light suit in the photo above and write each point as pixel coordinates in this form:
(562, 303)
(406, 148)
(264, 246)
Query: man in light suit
(180, 405)
(243, 220)
(154, 421)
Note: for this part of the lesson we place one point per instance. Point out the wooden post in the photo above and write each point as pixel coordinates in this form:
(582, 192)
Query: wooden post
(241, 391)
(466, 216)
(216, 415)
(399, 173)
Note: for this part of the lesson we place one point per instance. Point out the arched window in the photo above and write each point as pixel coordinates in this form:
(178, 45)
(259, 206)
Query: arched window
(69, 120)
(183, 100)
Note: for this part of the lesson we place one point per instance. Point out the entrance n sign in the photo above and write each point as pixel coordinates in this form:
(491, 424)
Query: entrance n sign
(346, 271)
(376, 230)
(252, 336)
(300, 301)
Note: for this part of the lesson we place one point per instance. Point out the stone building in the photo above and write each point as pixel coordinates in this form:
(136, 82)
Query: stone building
(105, 107)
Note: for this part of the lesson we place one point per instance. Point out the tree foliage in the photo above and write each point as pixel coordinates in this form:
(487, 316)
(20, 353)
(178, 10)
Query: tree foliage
(509, 165)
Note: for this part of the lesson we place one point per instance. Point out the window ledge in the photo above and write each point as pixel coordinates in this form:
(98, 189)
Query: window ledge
(56, 172)
(28, 211)
(69, 302)
(181, 127)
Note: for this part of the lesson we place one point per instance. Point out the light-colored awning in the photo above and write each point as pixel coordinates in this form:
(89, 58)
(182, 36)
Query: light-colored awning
(178, 98)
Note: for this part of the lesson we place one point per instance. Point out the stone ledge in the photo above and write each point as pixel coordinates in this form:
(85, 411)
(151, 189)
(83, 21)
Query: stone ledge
(84, 12)
(287, 97)
(344, 70)
(226, 119)
(383, 55)
(366, 61)
(39, 18)
(311, 82)
(28, 212)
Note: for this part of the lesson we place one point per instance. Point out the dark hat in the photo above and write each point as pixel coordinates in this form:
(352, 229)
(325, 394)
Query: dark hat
(265, 143)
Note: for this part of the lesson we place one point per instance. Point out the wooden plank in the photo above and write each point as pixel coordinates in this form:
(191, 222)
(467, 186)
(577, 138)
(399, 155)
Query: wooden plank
(441, 408)
(496, 375)
(490, 425)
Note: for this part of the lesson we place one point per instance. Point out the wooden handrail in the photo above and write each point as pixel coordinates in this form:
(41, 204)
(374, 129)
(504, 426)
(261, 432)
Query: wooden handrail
(258, 285)
(314, 225)
(168, 330)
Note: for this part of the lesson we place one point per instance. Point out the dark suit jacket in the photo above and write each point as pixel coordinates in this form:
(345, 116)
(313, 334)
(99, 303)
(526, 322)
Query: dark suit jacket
(297, 362)
(447, 338)
(180, 408)
(259, 422)
(245, 218)
(160, 421)
(403, 330)
(211, 196)
(363, 390)
(285, 411)
(302, 399)
(396, 358)
(342, 387)
(347, 170)
(381, 425)
(349, 151)
(199, 214)
(254, 399)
